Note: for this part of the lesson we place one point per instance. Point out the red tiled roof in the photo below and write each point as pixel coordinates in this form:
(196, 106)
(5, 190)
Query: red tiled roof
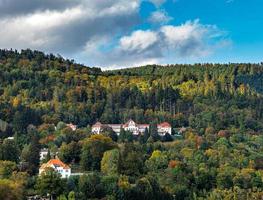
(98, 124)
(127, 123)
(72, 126)
(164, 124)
(55, 162)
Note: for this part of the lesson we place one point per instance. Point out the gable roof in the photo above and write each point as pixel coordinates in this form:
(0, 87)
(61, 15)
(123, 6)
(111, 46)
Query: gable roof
(72, 126)
(128, 122)
(164, 125)
(98, 124)
(55, 163)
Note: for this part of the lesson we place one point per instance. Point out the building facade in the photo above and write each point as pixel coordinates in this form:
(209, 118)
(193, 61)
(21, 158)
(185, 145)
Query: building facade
(133, 127)
(63, 169)
(43, 154)
(72, 126)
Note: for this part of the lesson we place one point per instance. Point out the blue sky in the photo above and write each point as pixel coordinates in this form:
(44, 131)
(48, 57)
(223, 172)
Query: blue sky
(242, 20)
(123, 33)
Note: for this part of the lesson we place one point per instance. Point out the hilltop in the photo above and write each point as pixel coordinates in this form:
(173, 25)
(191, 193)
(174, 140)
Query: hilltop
(47, 89)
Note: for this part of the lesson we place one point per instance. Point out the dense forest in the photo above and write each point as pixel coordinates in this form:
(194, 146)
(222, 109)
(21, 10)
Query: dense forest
(218, 156)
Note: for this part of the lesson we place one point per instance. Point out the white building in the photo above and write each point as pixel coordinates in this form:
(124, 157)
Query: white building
(43, 154)
(164, 128)
(131, 126)
(58, 166)
(72, 126)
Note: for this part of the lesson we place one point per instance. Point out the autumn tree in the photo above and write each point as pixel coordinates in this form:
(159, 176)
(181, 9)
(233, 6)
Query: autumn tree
(93, 149)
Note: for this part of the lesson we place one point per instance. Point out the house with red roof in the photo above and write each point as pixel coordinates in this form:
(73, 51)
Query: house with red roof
(58, 166)
(72, 126)
(164, 128)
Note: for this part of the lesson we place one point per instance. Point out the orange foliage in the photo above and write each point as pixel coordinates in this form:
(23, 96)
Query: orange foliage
(174, 163)
(49, 138)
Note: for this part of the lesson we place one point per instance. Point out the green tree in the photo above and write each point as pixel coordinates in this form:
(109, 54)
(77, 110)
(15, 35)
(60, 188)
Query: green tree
(92, 151)
(157, 161)
(71, 195)
(154, 132)
(10, 190)
(90, 186)
(131, 160)
(6, 169)
(70, 152)
(50, 183)
(9, 151)
(110, 162)
(125, 136)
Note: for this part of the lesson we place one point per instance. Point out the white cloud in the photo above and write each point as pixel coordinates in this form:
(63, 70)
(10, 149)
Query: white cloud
(157, 3)
(67, 28)
(138, 41)
(160, 17)
(191, 39)
(89, 30)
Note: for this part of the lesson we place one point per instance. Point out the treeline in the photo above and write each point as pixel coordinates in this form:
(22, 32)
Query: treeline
(45, 89)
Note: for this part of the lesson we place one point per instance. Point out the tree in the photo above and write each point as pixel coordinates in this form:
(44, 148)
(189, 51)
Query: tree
(167, 138)
(7, 168)
(90, 187)
(5, 129)
(144, 189)
(61, 125)
(70, 152)
(10, 190)
(92, 151)
(28, 160)
(157, 161)
(145, 135)
(225, 177)
(110, 162)
(108, 132)
(110, 184)
(71, 195)
(9, 151)
(125, 136)
(49, 183)
(124, 188)
(30, 153)
(154, 132)
(131, 160)
(62, 197)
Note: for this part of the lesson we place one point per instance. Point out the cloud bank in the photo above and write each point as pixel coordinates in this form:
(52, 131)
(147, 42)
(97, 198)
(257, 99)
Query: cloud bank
(191, 39)
(101, 33)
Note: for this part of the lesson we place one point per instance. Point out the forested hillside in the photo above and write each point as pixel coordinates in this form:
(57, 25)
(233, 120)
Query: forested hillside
(37, 88)
(218, 156)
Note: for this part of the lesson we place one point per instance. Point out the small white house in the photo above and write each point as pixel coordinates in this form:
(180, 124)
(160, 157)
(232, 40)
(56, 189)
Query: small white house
(164, 128)
(58, 166)
(72, 126)
(43, 154)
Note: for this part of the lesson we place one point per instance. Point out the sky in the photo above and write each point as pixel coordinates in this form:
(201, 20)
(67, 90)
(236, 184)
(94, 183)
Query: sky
(125, 33)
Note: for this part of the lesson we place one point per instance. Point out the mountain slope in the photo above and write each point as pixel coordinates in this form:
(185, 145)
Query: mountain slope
(45, 89)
